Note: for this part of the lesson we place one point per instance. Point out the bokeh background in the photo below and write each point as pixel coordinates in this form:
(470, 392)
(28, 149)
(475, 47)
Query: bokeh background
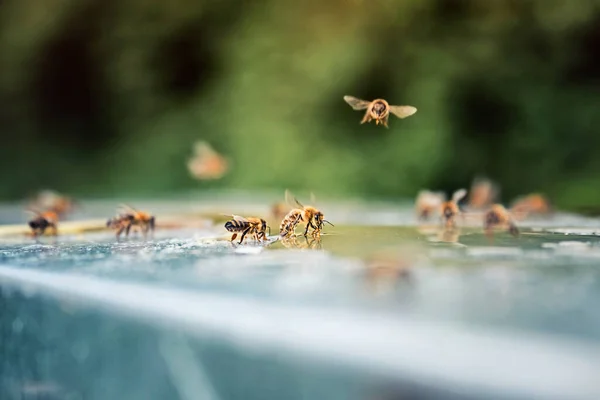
(107, 97)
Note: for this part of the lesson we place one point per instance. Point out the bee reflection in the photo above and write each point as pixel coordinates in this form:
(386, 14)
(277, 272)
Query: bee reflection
(309, 243)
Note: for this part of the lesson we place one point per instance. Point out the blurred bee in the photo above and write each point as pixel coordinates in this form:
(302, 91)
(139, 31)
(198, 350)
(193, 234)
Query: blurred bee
(308, 215)
(207, 163)
(498, 217)
(379, 110)
(428, 203)
(279, 210)
(449, 209)
(533, 204)
(483, 193)
(52, 201)
(131, 218)
(256, 227)
(43, 221)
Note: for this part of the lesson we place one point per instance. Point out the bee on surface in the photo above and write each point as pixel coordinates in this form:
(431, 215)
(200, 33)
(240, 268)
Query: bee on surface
(308, 215)
(498, 217)
(43, 221)
(207, 164)
(256, 227)
(483, 193)
(533, 204)
(379, 110)
(131, 218)
(449, 209)
(428, 203)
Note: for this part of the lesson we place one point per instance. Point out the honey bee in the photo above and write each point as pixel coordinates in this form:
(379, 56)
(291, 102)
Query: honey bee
(207, 164)
(533, 204)
(427, 203)
(498, 216)
(449, 209)
(131, 218)
(256, 227)
(43, 221)
(483, 193)
(279, 210)
(379, 110)
(308, 215)
(52, 201)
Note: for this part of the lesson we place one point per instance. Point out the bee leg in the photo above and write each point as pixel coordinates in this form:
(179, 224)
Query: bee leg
(385, 121)
(306, 230)
(127, 229)
(53, 229)
(243, 234)
(121, 229)
(233, 237)
(365, 118)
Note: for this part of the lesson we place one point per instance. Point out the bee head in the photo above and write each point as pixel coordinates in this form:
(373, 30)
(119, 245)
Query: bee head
(379, 108)
(318, 216)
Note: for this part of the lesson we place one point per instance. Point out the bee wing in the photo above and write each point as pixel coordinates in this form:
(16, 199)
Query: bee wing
(34, 211)
(126, 207)
(291, 200)
(238, 218)
(402, 111)
(458, 195)
(355, 103)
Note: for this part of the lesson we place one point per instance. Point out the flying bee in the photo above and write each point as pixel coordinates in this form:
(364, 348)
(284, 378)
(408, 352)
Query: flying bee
(379, 110)
(308, 215)
(131, 218)
(449, 209)
(43, 221)
(279, 210)
(533, 204)
(53, 201)
(483, 193)
(498, 216)
(256, 227)
(207, 163)
(428, 203)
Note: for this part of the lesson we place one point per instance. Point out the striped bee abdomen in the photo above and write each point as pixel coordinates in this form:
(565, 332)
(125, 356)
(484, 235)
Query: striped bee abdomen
(236, 226)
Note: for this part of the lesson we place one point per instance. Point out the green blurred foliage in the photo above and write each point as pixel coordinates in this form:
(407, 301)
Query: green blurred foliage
(107, 97)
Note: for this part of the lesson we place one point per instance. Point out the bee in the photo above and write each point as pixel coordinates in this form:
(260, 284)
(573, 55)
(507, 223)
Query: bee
(131, 218)
(279, 210)
(449, 209)
(308, 215)
(379, 110)
(498, 216)
(427, 203)
(483, 193)
(53, 201)
(256, 227)
(207, 164)
(534, 204)
(43, 221)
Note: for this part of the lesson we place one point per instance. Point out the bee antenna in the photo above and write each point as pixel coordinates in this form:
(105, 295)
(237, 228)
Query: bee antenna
(328, 222)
